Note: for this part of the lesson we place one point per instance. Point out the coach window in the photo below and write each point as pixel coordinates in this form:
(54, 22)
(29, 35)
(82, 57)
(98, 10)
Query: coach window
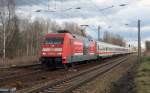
(106, 49)
(97, 47)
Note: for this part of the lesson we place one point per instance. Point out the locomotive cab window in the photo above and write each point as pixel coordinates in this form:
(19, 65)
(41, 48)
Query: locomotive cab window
(53, 41)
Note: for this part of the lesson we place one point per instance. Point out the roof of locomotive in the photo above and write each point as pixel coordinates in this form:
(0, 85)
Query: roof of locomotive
(54, 35)
(61, 33)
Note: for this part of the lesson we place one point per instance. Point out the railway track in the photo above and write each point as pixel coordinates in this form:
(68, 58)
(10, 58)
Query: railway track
(15, 67)
(67, 85)
(4, 79)
(19, 73)
(23, 71)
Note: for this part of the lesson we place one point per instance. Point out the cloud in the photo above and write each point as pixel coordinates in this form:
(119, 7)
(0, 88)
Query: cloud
(90, 14)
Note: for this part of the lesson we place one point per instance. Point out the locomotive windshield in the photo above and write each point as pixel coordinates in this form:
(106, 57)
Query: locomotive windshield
(53, 41)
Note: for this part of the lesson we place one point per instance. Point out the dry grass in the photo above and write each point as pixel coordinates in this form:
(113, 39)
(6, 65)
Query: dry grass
(19, 61)
(142, 78)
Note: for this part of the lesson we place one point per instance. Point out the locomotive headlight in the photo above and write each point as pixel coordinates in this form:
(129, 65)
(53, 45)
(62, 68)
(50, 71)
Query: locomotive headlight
(46, 49)
(44, 53)
(58, 49)
(59, 53)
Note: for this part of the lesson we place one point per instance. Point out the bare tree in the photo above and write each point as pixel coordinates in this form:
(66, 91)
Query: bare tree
(147, 44)
(7, 12)
(23, 37)
(73, 28)
(114, 39)
(54, 26)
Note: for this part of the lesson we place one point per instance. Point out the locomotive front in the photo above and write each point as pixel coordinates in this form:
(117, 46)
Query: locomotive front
(52, 48)
(63, 49)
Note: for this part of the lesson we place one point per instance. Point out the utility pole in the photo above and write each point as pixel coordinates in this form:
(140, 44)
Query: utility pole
(99, 32)
(48, 5)
(4, 49)
(139, 40)
(4, 34)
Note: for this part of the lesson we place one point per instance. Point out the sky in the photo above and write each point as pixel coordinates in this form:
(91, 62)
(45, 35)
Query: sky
(108, 14)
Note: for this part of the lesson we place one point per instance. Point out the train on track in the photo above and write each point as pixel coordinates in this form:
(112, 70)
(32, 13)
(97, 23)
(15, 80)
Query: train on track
(63, 48)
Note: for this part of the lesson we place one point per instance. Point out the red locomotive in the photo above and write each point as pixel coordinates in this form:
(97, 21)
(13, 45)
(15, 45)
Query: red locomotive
(61, 49)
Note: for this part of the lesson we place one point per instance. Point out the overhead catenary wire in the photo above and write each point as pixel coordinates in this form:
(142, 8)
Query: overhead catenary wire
(71, 9)
(79, 11)
(101, 11)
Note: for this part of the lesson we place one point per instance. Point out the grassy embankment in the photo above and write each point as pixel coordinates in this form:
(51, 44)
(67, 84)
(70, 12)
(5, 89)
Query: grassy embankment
(142, 79)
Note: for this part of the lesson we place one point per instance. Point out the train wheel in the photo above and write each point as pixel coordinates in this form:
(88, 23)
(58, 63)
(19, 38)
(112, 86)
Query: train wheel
(72, 65)
(66, 66)
(88, 62)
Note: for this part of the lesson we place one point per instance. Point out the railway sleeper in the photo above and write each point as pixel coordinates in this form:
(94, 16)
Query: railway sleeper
(51, 91)
(79, 89)
(64, 84)
(68, 81)
(57, 87)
